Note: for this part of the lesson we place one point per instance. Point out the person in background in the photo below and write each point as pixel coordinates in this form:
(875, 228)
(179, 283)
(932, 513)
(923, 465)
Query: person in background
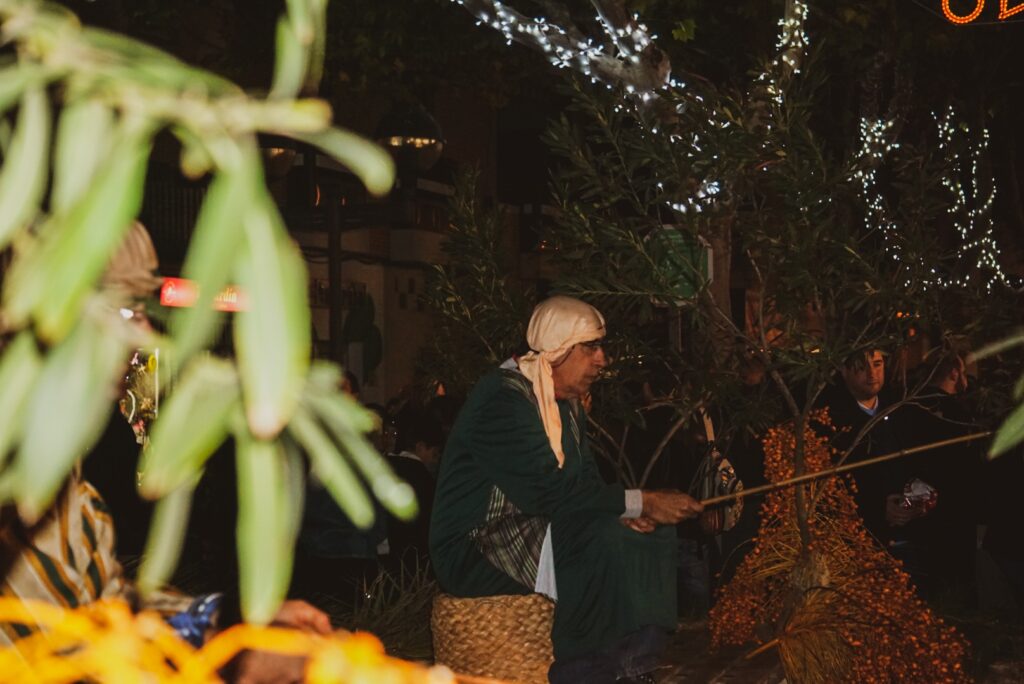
(336, 558)
(520, 508)
(947, 536)
(417, 454)
(112, 465)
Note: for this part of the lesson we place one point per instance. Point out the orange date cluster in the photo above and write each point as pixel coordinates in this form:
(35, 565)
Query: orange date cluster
(825, 594)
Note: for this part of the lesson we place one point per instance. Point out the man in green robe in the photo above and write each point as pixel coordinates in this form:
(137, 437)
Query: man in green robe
(520, 507)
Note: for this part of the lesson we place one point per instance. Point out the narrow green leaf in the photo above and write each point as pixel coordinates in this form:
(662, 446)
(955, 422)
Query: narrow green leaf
(999, 346)
(295, 492)
(67, 411)
(317, 51)
(83, 139)
(263, 527)
(15, 80)
(332, 470)
(23, 176)
(324, 376)
(79, 248)
(166, 536)
(211, 257)
(19, 369)
(342, 416)
(272, 338)
(196, 160)
(288, 117)
(1010, 434)
(192, 424)
(290, 66)
(300, 14)
(370, 162)
(150, 66)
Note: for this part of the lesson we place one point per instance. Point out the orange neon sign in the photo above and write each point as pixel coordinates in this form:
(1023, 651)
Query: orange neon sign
(184, 292)
(1005, 11)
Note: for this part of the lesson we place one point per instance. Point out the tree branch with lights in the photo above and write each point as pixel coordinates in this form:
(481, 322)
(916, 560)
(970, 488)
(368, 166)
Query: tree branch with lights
(624, 55)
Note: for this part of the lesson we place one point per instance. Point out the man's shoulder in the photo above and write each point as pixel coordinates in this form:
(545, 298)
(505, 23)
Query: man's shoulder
(501, 382)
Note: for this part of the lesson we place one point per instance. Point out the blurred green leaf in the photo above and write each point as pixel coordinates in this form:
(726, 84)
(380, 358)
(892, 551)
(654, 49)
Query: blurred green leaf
(166, 536)
(23, 176)
(1010, 434)
(192, 424)
(77, 251)
(264, 522)
(212, 254)
(196, 160)
(67, 410)
(19, 370)
(344, 418)
(368, 161)
(272, 337)
(331, 469)
(315, 61)
(150, 66)
(83, 140)
(324, 376)
(16, 79)
(290, 66)
(301, 17)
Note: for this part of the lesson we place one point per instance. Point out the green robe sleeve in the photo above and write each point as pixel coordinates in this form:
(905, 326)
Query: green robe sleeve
(512, 448)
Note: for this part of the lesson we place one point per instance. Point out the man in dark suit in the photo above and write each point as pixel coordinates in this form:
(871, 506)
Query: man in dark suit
(418, 444)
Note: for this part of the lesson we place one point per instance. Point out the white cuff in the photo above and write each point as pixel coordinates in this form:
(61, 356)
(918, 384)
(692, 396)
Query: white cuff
(634, 504)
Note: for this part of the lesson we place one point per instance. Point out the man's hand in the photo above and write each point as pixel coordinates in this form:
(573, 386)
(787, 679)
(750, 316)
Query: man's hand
(667, 506)
(642, 524)
(898, 515)
(303, 617)
(261, 667)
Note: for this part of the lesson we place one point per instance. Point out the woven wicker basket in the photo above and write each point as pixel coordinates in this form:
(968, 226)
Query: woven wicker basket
(504, 637)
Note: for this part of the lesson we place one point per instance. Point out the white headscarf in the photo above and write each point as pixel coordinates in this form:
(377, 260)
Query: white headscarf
(557, 324)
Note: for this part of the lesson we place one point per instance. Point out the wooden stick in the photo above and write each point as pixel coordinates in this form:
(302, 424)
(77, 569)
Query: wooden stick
(806, 477)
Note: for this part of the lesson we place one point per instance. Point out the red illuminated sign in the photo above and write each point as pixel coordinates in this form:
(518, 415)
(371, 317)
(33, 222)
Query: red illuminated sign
(1005, 11)
(183, 292)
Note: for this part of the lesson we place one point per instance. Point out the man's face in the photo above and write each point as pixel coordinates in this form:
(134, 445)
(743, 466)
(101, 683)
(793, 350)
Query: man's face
(574, 375)
(865, 380)
(960, 378)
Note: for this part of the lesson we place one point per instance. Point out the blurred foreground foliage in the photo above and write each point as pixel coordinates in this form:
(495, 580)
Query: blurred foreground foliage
(88, 105)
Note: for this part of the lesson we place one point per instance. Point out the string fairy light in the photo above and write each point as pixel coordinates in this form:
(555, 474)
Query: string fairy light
(790, 48)
(616, 60)
(970, 210)
(876, 143)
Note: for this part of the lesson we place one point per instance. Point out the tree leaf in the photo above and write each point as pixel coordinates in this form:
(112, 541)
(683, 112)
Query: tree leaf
(368, 161)
(15, 81)
(75, 250)
(290, 64)
(211, 255)
(74, 391)
(264, 524)
(23, 176)
(272, 338)
(83, 140)
(1010, 434)
(192, 424)
(166, 536)
(19, 369)
(343, 417)
(330, 467)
